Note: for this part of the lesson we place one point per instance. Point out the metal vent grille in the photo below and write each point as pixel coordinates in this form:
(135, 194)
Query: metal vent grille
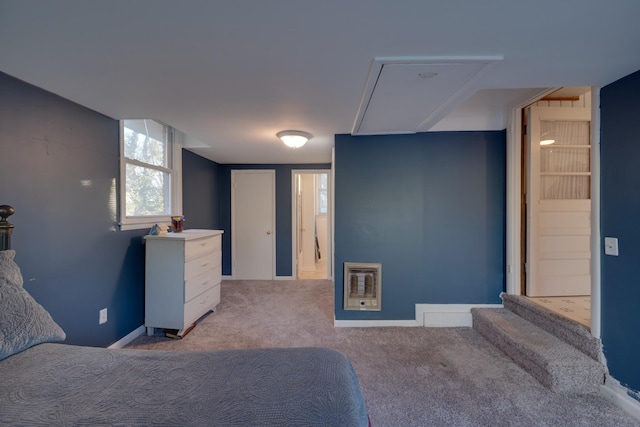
(362, 286)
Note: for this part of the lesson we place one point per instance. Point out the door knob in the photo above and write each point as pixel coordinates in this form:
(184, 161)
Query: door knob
(268, 232)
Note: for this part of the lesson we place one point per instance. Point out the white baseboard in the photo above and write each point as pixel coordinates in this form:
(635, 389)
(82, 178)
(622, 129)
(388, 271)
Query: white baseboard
(428, 315)
(619, 395)
(447, 315)
(374, 323)
(122, 342)
(226, 277)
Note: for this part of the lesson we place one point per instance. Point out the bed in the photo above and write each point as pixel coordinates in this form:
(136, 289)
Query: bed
(57, 384)
(45, 382)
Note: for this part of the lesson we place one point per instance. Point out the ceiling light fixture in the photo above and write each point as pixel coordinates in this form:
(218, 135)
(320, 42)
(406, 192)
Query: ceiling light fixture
(294, 138)
(547, 141)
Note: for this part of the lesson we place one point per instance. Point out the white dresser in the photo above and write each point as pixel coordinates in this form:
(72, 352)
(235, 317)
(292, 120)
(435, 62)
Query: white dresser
(182, 278)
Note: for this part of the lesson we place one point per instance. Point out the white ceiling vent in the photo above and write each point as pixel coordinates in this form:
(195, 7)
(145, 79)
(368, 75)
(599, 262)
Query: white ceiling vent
(408, 95)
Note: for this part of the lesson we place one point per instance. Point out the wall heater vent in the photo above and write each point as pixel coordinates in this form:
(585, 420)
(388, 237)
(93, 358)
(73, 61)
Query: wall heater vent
(362, 286)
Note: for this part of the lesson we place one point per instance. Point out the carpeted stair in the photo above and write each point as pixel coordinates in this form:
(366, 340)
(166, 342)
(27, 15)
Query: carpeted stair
(569, 331)
(553, 362)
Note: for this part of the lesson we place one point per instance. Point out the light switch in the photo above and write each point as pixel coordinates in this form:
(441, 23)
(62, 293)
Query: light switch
(611, 246)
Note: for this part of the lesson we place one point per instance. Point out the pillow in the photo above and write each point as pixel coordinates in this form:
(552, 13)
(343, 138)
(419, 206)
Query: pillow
(23, 322)
(8, 268)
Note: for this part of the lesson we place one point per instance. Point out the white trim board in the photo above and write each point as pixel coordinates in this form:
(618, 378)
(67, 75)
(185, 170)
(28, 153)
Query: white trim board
(514, 190)
(122, 342)
(595, 214)
(230, 277)
(447, 315)
(617, 394)
(427, 315)
(374, 323)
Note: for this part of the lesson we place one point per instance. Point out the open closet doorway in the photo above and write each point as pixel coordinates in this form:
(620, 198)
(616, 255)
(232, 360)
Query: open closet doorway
(311, 224)
(557, 193)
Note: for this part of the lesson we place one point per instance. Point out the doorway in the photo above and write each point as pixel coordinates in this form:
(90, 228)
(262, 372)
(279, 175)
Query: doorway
(557, 186)
(311, 224)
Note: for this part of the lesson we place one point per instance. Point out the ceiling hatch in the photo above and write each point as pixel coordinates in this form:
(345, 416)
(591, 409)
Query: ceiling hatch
(408, 95)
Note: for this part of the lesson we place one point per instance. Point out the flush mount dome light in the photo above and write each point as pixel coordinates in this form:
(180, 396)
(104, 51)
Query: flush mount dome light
(547, 141)
(294, 138)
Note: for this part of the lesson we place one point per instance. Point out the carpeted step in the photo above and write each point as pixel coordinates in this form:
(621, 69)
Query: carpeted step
(568, 330)
(554, 363)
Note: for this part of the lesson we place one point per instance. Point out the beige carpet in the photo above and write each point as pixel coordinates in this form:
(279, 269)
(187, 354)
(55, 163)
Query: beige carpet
(409, 376)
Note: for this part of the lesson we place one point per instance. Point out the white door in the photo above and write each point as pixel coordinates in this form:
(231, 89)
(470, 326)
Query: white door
(298, 224)
(558, 202)
(253, 224)
(308, 223)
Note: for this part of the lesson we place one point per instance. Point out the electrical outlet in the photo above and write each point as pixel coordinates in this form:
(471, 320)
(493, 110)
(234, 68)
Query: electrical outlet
(103, 316)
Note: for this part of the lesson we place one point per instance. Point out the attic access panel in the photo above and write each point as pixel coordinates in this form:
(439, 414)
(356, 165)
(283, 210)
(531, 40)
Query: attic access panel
(408, 95)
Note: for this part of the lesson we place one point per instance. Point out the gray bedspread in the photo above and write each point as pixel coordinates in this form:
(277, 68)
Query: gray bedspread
(57, 384)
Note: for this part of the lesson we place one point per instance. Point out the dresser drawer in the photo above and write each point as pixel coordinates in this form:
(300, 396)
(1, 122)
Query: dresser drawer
(201, 304)
(199, 246)
(197, 266)
(201, 283)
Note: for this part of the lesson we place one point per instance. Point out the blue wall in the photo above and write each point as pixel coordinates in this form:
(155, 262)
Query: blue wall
(620, 217)
(200, 191)
(59, 169)
(431, 208)
(283, 212)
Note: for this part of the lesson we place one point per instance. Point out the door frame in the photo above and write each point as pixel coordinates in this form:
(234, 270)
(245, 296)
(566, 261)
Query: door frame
(272, 175)
(294, 224)
(514, 194)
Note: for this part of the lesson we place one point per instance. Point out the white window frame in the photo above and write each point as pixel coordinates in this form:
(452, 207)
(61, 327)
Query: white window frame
(174, 145)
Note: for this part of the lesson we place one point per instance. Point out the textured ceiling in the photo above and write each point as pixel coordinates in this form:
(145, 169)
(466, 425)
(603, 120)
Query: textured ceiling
(231, 74)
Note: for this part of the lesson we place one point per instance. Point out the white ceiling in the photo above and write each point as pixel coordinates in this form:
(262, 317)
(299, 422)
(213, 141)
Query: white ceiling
(232, 73)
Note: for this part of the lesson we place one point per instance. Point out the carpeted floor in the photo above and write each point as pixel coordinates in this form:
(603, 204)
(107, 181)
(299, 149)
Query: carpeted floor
(409, 376)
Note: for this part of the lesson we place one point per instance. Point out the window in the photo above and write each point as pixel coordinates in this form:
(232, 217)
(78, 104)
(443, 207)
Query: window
(321, 185)
(149, 175)
(565, 165)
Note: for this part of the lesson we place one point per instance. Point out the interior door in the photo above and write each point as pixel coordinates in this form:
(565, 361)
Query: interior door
(308, 223)
(298, 224)
(253, 224)
(558, 201)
